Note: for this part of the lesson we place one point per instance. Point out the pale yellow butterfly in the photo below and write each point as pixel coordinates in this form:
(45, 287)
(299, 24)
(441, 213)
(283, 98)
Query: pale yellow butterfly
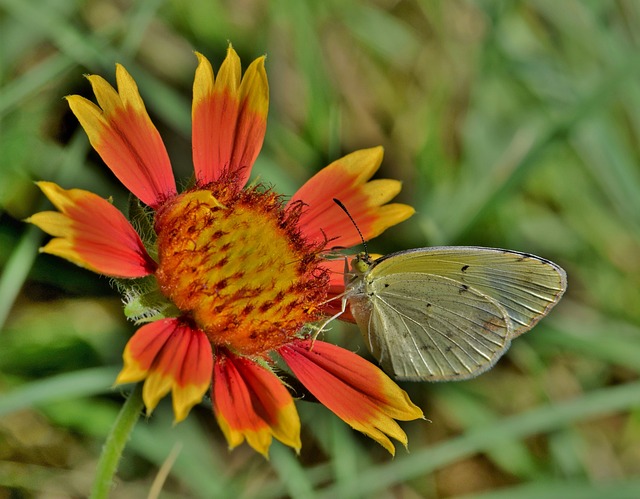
(450, 312)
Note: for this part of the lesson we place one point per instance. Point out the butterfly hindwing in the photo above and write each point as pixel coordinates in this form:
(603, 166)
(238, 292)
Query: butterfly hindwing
(428, 327)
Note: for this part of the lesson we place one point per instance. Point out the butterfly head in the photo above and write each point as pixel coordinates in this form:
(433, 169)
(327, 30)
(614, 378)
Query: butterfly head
(361, 263)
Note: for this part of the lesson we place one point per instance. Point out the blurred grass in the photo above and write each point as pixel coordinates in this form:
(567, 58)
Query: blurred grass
(512, 124)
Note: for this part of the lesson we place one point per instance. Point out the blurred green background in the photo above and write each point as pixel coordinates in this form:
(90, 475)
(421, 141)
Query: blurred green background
(513, 124)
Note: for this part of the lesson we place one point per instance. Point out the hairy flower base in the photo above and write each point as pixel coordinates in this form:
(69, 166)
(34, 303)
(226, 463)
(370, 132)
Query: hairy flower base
(235, 263)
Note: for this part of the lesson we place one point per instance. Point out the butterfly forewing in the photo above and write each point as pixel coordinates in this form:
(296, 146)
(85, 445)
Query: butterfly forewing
(429, 327)
(525, 285)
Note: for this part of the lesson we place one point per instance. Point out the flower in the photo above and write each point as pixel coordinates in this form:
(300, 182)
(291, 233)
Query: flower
(225, 277)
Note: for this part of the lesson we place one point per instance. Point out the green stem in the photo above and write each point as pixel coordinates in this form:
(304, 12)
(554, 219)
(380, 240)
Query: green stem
(117, 439)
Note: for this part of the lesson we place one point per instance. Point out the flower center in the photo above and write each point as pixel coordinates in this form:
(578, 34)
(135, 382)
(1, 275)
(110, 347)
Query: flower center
(237, 265)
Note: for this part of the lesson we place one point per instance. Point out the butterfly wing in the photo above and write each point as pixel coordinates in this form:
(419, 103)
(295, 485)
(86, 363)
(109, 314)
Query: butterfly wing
(526, 286)
(422, 326)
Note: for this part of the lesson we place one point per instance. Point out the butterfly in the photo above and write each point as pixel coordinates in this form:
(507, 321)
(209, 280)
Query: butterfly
(449, 312)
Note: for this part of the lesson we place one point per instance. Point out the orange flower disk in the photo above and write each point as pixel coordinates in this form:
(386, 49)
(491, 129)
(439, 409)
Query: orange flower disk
(218, 258)
(236, 273)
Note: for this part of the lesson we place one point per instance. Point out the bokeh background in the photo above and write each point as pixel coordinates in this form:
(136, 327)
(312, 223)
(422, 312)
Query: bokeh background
(512, 124)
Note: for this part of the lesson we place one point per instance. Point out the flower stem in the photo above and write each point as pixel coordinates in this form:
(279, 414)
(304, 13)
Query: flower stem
(113, 447)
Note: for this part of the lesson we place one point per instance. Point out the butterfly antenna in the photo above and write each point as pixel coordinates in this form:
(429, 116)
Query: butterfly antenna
(344, 208)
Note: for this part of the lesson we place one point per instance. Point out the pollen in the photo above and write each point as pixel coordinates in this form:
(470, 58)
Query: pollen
(235, 263)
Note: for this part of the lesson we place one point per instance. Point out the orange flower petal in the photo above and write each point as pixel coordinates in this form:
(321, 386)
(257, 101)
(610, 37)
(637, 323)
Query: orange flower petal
(229, 118)
(251, 403)
(355, 390)
(90, 232)
(121, 131)
(169, 356)
(347, 180)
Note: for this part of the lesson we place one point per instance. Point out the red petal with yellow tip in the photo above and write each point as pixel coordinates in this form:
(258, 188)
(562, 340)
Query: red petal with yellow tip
(170, 356)
(355, 390)
(347, 180)
(90, 232)
(229, 118)
(121, 131)
(251, 403)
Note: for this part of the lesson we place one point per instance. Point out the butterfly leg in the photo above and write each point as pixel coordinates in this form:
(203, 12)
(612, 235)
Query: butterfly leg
(321, 328)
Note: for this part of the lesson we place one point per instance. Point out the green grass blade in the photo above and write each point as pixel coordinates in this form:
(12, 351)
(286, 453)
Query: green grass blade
(539, 420)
